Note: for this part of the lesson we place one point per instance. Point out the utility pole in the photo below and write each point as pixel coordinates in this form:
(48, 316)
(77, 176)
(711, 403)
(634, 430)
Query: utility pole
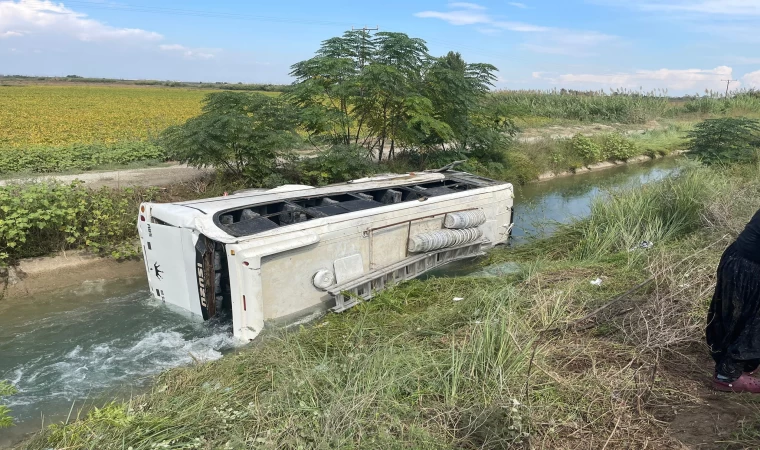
(360, 51)
(728, 83)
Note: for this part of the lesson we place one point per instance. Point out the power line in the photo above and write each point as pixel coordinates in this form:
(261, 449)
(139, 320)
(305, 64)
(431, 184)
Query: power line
(361, 48)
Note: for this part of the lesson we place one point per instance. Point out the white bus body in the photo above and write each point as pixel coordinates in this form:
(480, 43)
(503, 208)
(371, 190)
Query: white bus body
(272, 254)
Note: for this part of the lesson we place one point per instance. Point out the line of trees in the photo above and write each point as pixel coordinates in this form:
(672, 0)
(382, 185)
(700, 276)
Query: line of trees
(381, 93)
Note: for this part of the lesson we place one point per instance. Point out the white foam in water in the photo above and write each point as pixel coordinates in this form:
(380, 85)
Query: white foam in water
(82, 371)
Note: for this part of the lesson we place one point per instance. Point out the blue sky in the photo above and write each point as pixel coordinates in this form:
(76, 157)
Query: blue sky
(685, 46)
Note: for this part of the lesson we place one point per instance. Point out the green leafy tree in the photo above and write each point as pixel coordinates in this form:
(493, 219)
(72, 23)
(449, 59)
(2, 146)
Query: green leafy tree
(725, 140)
(386, 92)
(456, 90)
(393, 104)
(327, 86)
(242, 133)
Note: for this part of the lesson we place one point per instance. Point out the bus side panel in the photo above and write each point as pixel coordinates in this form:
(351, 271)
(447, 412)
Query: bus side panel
(287, 277)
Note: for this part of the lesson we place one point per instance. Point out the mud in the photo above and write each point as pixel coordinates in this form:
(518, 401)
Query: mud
(75, 268)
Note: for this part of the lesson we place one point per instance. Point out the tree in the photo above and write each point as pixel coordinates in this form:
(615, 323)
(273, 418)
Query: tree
(458, 91)
(367, 91)
(392, 102)
(327, 84)
(242, 133)
(725, 140)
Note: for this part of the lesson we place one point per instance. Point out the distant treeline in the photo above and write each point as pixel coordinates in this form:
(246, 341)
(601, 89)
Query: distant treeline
(165, 83)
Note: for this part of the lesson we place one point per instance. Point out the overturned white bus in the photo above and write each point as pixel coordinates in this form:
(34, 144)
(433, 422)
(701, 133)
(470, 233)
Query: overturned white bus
(271, 254)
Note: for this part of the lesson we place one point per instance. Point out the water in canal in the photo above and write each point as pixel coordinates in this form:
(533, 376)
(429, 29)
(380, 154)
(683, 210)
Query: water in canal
(100, 341)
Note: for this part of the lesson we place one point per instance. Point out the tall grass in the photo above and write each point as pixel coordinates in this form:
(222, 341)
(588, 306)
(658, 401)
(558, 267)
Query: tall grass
(743, 102)
(657, 212)
(621, 106)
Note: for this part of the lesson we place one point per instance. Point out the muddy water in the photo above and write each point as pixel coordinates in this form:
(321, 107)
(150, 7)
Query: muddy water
(102, 340)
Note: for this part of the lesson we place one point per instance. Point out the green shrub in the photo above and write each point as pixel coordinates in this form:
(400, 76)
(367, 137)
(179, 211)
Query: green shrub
(337, 164)
(586, 148)
(46, 159)
(616, 146)
(725, 140)
(520, 168)
(41, 218)
(657, 212)
(6, 389)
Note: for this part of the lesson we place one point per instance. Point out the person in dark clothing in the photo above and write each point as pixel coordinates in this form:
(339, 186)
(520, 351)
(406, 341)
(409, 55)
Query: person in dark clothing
(733, 320)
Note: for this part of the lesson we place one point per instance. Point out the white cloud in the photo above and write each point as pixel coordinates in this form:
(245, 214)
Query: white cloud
(752, 79)
(746, 60)
(545, 39)
(33, 17)
(187, 52)
(518, 5)
(472, 14)
(675, 79)
(716, 7)
(465, 5)
(10, 33)
(459, 17)
(522, 27)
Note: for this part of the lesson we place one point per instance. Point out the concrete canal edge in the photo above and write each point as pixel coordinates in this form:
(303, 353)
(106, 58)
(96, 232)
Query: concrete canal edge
(72, 268)
(602, 166)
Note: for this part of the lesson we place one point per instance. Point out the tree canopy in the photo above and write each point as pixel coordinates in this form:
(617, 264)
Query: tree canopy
(386, 90)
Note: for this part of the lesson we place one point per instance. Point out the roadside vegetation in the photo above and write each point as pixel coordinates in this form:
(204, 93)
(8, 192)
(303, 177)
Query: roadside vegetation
(6, 389)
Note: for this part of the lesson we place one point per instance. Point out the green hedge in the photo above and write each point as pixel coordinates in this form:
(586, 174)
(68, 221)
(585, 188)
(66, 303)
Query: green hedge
(45, 159)
(42, 218)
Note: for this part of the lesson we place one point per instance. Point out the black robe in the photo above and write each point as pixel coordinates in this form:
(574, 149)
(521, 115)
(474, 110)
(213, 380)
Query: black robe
(733, 321)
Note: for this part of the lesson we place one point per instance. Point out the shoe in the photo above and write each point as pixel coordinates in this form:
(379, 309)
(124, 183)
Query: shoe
(745, 383)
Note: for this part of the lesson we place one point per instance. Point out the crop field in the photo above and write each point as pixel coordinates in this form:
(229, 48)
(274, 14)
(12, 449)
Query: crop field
(57, 115)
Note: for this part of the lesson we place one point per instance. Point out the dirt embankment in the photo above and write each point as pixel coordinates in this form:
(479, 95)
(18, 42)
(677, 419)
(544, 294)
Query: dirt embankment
(567, 132)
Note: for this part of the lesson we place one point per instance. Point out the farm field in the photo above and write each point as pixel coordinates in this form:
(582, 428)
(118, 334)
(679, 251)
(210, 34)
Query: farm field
(57, 115)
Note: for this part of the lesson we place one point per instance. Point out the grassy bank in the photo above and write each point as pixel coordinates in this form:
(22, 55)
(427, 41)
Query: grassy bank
(526, 161)
(519, 362)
